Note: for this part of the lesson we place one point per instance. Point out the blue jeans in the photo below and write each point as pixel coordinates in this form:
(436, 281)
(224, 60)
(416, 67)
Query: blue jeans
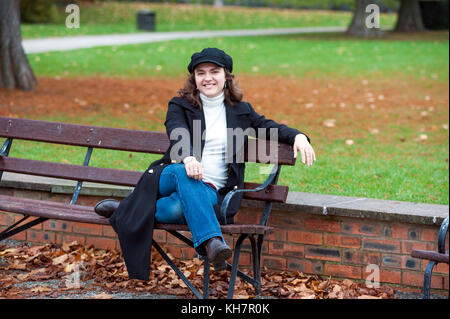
(184, 200)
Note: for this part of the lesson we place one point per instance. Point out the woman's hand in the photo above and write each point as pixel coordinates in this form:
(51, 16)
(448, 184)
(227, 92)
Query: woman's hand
(302, 145)
(193, 168)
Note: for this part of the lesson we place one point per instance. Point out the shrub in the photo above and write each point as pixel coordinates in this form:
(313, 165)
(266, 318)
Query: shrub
(38, 11)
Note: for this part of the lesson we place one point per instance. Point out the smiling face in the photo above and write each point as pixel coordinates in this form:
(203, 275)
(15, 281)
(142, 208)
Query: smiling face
(210, 79)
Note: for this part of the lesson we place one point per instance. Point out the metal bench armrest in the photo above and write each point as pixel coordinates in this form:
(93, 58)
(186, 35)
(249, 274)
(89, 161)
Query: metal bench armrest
(442, 234)
(223, 209)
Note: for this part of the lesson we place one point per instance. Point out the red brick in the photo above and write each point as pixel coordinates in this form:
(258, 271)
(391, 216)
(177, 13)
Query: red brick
(322, 224)
(228, 239)
(108, 231)
(89, 229)
(390, 246)
(68, 238)
(244, 259)
(40, 236)
(350, 228)
(369, 229)
(286, 250)
(22, 236)
(343, 271)
(390, 276)
(278, 235)
(274, 263)
(361, 257)
(174, 240)
(6, 219)
(305, 266)
(399, 231)
(160, 236)
(408, 246)
(248, 216)
(416, 279)
(410, 263)
(101, 242)
(342, 241)
(429, 234)
(57, 225)
(305, 237)
(187, 253)
(246, 245)
(282, 219)
(321, 253)
(175, 251)
(441, 268)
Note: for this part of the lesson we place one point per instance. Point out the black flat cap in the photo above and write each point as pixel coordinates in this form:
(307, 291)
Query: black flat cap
(212, 55)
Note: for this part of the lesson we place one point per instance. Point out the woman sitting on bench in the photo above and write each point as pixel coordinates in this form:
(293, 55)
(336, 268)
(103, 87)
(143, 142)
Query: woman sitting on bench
(188, 188)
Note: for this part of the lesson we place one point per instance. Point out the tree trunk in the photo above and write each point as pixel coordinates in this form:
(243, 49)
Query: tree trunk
(15, 71)
(409, 17)
(358, 26)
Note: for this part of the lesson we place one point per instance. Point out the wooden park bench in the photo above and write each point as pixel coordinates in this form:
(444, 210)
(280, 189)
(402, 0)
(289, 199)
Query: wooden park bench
(433, 257)
(132, 141)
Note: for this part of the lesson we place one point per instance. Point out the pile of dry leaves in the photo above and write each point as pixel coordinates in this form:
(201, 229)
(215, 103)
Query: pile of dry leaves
(72, 264)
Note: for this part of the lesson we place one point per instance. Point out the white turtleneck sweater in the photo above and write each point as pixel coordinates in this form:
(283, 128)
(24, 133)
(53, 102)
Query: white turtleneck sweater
(213, 157)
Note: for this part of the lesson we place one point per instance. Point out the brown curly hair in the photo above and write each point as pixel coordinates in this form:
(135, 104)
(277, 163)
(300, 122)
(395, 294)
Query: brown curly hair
(233, 94)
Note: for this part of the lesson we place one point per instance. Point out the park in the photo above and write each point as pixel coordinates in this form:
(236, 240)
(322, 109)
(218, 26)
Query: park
(374, 102)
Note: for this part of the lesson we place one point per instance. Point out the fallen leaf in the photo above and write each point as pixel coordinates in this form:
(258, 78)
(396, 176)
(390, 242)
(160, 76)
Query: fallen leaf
(329, 123)
(17, 266)
(59, 260)
(9, 251)
(368, 297)
(39, 289)
(337, 289)
(102, 296)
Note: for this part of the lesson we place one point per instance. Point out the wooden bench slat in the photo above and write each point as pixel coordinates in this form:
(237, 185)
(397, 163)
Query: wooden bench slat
(119, 139)
(430, 255)
(84, 135)
(86, 214)
(46, 209)
(283, 156)
(275, 193)
(69, 171)
(227, 229)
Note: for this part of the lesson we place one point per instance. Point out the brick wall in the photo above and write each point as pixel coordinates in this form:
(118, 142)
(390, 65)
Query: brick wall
(341, 247)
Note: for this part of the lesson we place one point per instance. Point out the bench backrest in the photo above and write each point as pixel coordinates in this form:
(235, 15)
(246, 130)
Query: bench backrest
(114, 139)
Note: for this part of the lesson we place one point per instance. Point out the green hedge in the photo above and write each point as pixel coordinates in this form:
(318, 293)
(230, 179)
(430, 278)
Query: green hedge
(38, 11)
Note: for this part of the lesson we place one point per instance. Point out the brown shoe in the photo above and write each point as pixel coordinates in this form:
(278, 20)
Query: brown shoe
(106, 207)
(217, 252)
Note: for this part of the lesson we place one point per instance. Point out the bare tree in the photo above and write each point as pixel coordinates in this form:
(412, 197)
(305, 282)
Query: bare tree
(15, 70)
(409, 17)
(358, 26)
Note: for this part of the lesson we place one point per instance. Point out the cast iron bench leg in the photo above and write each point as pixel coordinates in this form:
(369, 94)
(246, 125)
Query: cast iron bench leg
(256, 254)
(234, 268)
(206, 278)
(427, 279)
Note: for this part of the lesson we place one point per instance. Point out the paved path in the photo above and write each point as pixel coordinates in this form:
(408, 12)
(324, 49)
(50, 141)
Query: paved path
(89, 41)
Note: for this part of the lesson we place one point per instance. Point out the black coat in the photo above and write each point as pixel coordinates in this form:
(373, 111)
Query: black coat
(133, 220)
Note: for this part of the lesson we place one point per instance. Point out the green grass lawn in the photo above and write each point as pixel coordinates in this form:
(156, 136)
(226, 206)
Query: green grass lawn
(290, 55)
(114, 17)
